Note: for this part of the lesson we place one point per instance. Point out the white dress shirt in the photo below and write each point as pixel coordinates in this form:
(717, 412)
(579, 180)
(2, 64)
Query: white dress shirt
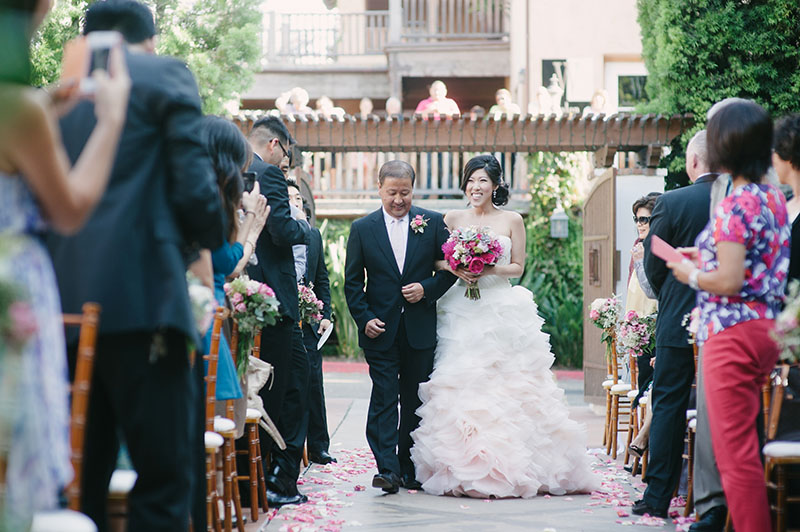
(397, 229)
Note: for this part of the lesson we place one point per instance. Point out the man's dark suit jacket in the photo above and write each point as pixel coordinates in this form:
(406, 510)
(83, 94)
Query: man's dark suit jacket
(274, 247)
(317, 274)
(162, 197)
(368, 248)
(678, 217)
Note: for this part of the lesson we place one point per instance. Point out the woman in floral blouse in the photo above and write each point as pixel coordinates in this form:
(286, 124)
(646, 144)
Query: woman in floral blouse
(743, 259)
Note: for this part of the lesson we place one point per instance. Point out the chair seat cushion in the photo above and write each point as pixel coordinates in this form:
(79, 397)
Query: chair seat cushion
(253, 413)
(62, 521)
(644, 400)
(693, 424)
(620, 389)
(223, 424)
(632, 394)
(608, 384)
(782, 449)
(213, 440)
(691, 414)
(122, 481)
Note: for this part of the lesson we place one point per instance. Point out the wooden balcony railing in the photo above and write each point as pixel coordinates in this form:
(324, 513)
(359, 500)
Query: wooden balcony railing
(314, 38)
(453, 19)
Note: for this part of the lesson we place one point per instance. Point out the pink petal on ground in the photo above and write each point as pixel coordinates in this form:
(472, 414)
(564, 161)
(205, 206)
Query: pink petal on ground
(412, 492)
(359, 488)
(622, 513)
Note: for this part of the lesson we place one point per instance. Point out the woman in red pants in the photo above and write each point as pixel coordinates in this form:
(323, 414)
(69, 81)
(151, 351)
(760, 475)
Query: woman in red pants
(743, 259)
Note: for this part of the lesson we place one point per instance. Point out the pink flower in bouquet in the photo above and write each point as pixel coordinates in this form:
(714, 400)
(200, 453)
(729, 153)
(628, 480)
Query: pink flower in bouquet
(265, 290)
(594, 314)
(23, 321)
(489, 258)
(476, 265)
(241, 307)
(237, 298)
(631, 315)
(226, 287)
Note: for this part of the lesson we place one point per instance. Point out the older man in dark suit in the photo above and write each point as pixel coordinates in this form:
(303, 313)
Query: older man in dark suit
(161, 199)
(678, 217)
(282, 343)
(396, 315)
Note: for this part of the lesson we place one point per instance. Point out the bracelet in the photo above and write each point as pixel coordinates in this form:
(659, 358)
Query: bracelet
(693, 279)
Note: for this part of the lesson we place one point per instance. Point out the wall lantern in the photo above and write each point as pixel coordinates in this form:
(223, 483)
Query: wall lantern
(559, 224)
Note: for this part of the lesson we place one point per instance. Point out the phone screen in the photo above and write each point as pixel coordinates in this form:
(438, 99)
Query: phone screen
(249, 179)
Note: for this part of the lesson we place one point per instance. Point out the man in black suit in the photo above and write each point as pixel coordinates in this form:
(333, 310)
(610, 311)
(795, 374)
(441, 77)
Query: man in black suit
(678, 217)
(311, 271)
(161, 199)
(396, 315)
(282, 343)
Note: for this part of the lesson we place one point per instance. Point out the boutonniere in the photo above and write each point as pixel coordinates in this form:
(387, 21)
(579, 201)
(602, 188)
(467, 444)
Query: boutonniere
(419, 223)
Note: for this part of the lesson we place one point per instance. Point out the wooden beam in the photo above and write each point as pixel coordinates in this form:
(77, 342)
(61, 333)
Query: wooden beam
(531, 133)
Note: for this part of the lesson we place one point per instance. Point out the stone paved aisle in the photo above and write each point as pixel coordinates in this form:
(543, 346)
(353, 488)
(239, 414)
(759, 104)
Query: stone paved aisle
(342, 499)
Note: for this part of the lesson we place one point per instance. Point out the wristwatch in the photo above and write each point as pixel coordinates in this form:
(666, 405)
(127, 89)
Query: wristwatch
(693, 279)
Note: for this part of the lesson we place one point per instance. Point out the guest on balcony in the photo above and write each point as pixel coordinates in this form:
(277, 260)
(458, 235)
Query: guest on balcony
(504, 105)
(438, 103)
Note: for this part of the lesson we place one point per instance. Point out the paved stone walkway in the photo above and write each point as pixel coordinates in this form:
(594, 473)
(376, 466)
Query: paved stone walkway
(342, 498)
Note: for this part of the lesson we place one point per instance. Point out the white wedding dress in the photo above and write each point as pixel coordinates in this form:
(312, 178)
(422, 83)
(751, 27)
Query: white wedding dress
(494, 423)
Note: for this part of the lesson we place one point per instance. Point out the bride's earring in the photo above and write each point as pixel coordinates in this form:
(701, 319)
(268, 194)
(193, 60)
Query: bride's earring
(494, 194)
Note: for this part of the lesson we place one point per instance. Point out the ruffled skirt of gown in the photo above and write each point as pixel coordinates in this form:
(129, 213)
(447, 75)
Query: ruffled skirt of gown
(494, 422)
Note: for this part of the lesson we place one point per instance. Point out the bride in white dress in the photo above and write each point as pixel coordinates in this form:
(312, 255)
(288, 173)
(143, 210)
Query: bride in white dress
(494, 423)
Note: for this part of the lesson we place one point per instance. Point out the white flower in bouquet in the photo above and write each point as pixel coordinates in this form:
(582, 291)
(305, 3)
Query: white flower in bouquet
(786, 332)
(203, 303)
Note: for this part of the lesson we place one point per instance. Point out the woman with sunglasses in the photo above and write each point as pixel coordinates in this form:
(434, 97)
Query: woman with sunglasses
(640, 298)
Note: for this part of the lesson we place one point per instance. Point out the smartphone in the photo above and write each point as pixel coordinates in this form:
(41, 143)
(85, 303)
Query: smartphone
(98, 44)
(249, 179)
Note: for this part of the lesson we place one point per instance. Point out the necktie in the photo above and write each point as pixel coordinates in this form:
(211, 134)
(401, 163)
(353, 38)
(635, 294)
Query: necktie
(396, 239)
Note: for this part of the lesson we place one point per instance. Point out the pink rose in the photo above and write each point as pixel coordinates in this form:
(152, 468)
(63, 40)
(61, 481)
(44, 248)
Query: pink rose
(476, 265)
(251, 290)
(240, 307)
(265, 290)
(23, 321)
(237, 298)
(489, 258)
(227, 287)
(593, 314)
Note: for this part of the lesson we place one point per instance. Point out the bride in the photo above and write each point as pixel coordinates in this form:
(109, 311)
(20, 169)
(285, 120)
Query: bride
(494, 423)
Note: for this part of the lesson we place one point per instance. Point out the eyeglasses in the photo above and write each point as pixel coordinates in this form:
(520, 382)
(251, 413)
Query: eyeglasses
(641, 220)
(285, 153)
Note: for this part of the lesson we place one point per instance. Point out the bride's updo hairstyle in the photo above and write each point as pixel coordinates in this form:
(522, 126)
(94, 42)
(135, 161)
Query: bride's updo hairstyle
(495, 173)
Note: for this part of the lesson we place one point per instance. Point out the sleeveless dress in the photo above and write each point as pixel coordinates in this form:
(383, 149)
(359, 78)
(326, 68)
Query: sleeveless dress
(494, 423)
(34, 415)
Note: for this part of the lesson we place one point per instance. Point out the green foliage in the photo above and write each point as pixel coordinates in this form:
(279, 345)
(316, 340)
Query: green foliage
(698, 52)
(61, 25)
(554, 267)
(218, 39)
(334, 238)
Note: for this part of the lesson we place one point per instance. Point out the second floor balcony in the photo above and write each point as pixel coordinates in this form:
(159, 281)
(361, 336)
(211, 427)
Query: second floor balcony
(360, 38)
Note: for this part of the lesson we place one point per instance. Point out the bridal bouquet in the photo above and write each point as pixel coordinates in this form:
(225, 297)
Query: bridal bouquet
(254, 307)
(786, 332)
(604, 313)
(636, 334)
(472, 248)
(310, 306)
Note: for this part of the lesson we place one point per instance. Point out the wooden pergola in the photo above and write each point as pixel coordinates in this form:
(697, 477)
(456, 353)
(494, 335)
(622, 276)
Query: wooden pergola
(599, 134)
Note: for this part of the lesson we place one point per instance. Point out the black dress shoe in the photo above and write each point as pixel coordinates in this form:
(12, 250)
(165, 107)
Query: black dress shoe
(322, 457)
(411, 483)
(388, 482)
(711, 521)
(641, 508)
(277, 500)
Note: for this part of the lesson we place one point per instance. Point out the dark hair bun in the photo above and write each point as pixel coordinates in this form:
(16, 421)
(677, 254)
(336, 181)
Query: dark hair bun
(500, 196)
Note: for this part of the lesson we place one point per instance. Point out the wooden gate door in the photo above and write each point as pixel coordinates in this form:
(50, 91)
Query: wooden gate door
(598, 276)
